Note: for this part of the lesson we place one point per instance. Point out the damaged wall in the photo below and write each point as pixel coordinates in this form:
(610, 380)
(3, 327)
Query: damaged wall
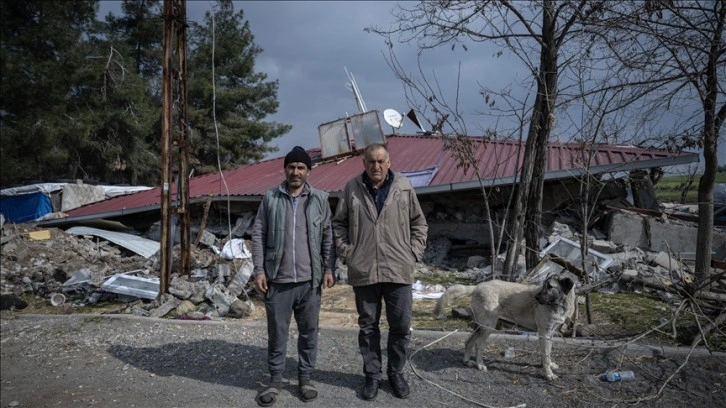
(658, 234)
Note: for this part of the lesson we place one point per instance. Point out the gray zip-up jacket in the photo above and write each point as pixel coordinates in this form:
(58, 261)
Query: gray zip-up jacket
(292, 237)
(380, 247)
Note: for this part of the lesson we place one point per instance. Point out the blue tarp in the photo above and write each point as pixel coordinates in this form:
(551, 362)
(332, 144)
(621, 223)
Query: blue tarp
(25, 207)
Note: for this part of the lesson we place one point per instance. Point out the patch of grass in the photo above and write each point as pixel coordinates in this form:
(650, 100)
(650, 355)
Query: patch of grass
(442, 279)
(619, 316)
(669, 188)
(635, 313)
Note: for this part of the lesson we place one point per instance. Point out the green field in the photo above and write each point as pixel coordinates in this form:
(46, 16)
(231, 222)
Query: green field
(670, 188)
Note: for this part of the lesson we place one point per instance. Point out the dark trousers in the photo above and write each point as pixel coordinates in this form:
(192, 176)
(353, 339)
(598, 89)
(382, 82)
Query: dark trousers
(399, 303)
(282, 301)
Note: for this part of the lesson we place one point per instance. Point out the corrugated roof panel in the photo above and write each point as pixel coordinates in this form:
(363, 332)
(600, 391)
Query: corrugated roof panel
(497, 160)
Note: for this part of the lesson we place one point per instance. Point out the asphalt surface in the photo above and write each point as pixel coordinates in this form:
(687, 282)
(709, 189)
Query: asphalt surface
(128, 361)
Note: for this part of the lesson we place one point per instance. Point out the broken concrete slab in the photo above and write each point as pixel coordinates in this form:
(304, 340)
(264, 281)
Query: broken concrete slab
(237, 284)
(603, 246)
(207, 238)
(220, 298)
(240, 308)
(668, 262)
(657, 235)
(170, 303)
(185, 306)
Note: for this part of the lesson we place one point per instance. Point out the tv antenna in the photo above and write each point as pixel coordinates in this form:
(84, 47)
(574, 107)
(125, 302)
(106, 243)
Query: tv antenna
(353, 86)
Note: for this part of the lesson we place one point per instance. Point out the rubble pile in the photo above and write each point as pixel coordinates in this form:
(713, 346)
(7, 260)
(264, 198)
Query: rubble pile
(72, 270)
(79, 270)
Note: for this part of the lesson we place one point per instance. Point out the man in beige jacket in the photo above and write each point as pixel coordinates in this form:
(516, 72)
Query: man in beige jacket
(380, 231)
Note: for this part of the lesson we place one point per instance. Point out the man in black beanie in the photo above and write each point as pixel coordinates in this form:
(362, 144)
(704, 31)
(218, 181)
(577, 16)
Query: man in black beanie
(299, 155)
(294, 256)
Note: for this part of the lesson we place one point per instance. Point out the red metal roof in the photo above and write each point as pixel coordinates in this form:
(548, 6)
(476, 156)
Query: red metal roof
(498, 164)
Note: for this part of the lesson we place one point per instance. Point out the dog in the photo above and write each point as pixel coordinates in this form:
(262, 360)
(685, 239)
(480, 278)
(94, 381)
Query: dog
(542, 307)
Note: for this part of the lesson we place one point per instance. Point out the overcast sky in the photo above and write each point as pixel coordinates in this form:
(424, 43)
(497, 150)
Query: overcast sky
(307, 45)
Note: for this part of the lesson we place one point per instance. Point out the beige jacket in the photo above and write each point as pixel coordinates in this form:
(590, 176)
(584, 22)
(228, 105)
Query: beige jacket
(385, 247)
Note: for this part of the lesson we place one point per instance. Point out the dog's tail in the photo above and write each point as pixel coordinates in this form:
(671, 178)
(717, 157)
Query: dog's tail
(454, 292)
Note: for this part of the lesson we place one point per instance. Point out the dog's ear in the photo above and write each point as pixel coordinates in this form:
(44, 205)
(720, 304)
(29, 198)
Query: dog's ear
(567, 284)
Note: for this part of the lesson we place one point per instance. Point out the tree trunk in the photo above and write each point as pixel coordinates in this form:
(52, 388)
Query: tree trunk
(712, 124)
(547, 89)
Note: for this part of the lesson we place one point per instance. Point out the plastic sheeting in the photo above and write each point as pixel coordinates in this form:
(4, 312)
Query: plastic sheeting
(25, 208)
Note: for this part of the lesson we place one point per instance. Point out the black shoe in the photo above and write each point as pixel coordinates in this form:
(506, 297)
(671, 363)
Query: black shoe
(399, 385)
(370, 389)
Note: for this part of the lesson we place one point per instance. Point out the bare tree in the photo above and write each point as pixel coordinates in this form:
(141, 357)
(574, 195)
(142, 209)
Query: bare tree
(526, 29)
(675, 53)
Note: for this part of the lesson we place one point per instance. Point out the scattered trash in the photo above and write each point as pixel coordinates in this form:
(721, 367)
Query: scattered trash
(421, 291)
(595, 263)
(40, 235)
(616, 376)
(147, 288)
(509, 353)
(80, 276)
(235, 249)
(57, 299)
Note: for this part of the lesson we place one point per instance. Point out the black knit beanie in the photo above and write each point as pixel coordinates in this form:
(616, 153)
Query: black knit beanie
(298, 154)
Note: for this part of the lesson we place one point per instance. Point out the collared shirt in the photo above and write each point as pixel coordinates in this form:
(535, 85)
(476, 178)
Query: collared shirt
(379, 194)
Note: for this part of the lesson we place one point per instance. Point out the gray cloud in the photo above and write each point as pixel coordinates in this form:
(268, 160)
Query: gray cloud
(308, 44)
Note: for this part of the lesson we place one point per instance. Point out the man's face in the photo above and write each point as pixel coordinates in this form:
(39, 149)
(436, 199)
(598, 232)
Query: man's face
(296, 173)
(376, 163)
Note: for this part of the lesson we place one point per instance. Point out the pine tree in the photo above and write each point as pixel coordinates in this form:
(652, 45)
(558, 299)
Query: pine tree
(39, 52)
(232, 93)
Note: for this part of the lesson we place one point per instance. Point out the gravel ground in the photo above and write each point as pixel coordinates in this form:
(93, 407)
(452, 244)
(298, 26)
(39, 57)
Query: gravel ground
(127, 361)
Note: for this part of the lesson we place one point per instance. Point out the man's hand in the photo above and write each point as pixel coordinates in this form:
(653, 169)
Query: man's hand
(328, 280)
(261, 282)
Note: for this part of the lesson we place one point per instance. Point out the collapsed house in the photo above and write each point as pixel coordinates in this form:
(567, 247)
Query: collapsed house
(450, 194)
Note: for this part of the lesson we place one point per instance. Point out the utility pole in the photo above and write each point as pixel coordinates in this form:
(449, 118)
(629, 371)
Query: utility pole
(174, 14)
(183, 145)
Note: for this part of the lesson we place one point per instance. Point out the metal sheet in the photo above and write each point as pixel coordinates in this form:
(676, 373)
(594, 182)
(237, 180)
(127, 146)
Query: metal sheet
(147, 288)
(570, 250)
(142, 246)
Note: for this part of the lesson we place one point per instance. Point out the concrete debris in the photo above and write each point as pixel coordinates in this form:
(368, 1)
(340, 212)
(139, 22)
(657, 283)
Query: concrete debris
(626, 251)
(87, 269)
(221, 299)
(169, 304)
(185, 306)
(476, 261)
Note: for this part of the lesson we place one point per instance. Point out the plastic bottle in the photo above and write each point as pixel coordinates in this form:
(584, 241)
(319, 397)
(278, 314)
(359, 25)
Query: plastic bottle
(615, 376)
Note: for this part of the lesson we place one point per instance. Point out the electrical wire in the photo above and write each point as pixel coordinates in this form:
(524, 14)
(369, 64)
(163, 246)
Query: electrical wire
(216, 134)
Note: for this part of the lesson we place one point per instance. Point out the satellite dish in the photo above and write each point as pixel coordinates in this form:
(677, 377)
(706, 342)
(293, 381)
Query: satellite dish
(393, 118)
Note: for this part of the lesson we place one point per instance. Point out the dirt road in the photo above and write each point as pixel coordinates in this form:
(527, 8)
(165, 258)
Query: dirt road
(126, 361)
